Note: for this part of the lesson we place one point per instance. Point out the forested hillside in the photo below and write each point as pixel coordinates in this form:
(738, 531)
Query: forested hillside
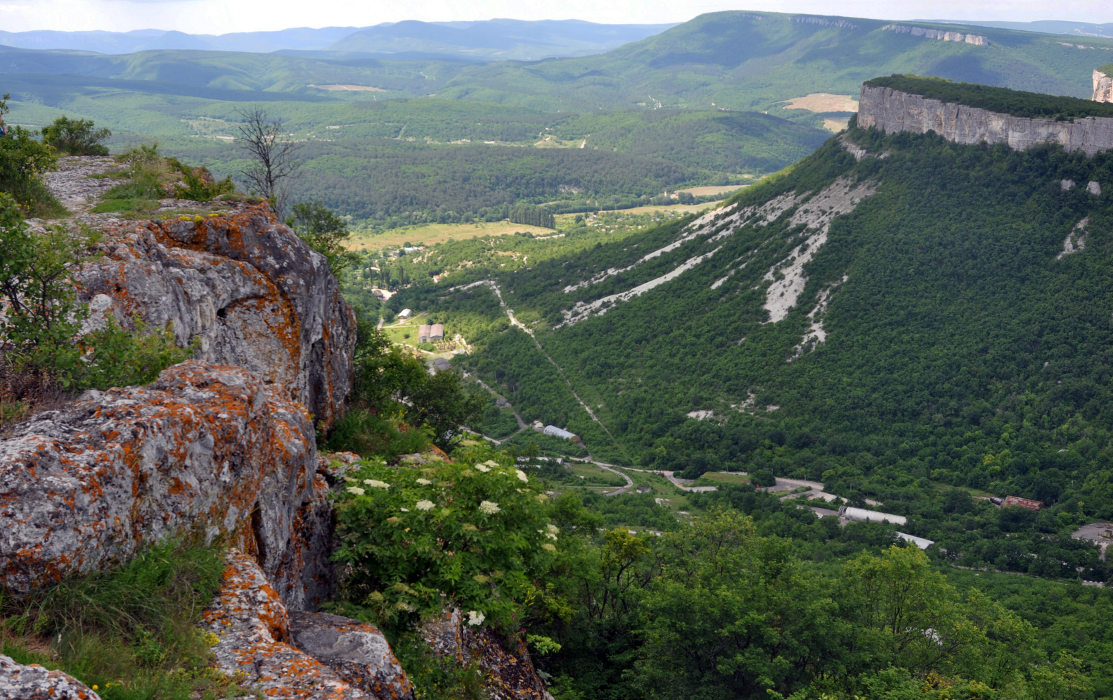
(922, 317)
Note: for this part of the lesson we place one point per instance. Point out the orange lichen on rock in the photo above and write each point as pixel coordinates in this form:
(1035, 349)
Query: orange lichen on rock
(33, 682)
(253, 630)
(243, 285)
(205, 450)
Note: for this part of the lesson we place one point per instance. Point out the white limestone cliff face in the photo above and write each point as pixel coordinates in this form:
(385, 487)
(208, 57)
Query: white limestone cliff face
(1103, 87)
(937, 34)
(893, 111)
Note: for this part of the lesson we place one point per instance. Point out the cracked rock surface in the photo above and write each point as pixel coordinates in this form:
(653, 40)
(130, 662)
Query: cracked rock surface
(258, 642)
(19, 682)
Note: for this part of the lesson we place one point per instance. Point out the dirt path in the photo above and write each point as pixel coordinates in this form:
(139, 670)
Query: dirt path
(73, 183)
(686, 484)
(528, 331)
(610, 468)
(521, 423)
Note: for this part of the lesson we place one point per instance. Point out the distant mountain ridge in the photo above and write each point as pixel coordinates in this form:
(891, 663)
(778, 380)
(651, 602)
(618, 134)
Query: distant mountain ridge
(496, 39)
(753, 60)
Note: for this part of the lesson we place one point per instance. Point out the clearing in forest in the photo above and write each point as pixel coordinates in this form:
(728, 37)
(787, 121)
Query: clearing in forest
(822, 102)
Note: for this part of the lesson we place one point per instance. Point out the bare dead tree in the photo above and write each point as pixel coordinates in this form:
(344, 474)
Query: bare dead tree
(273, 159)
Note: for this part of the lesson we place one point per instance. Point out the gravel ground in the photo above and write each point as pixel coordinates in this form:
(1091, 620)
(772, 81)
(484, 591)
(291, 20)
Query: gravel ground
(73, 185)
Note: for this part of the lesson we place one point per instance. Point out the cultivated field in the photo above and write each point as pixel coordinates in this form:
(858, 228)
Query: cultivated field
(712, 189)
(821, 102)
(437, 233)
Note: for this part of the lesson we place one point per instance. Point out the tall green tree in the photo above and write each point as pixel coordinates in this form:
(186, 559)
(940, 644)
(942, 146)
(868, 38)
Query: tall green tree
(325, 232)
(732, 615)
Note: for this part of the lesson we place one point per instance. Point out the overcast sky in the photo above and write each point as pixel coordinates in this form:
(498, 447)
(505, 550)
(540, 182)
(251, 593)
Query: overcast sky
(223, 16)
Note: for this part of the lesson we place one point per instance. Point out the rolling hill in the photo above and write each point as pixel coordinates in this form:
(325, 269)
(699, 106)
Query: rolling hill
(749, 60)
(497, 39)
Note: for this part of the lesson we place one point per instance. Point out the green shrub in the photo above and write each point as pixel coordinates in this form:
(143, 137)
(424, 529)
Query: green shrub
(198, 184)
(42, 316)
(39, 332)
(118, 357)
(76, 137)
(473, 534)
(366, 432)
(22, 162)
(151, 177)
(145, 172)
(131, 632)
(325, 232)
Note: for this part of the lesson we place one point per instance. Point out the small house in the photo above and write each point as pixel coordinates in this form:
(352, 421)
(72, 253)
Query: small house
(405, 313)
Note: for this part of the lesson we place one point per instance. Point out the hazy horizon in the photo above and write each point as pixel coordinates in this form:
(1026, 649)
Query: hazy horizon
(221, 17)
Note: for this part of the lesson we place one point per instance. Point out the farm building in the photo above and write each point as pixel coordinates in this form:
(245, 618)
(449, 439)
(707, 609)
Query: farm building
(558, 432)
(1028, 503)
(920, 542)
(866, 516)
(405, 313)
(430, 333)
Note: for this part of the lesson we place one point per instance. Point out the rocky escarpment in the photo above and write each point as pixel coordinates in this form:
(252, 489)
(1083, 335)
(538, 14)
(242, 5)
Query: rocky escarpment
(893, 111)
(239, 284)
(1103, 86)
(937, 34)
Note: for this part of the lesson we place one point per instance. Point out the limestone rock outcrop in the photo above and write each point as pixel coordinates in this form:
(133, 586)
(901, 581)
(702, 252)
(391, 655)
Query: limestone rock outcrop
(893, 111)
(205, 449)
(355, 651)
(244, 286)
(19, 682)
(257, 643)
(1103, 87)
(937, 34)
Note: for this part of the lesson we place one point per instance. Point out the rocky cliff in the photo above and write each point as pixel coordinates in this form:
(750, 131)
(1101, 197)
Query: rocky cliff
(220, 448)
(937, 34)
(1103, 86)
(241, 285)
(893, 111)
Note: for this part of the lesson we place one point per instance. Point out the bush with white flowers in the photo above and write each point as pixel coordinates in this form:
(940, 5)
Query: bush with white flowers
(472, 533)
